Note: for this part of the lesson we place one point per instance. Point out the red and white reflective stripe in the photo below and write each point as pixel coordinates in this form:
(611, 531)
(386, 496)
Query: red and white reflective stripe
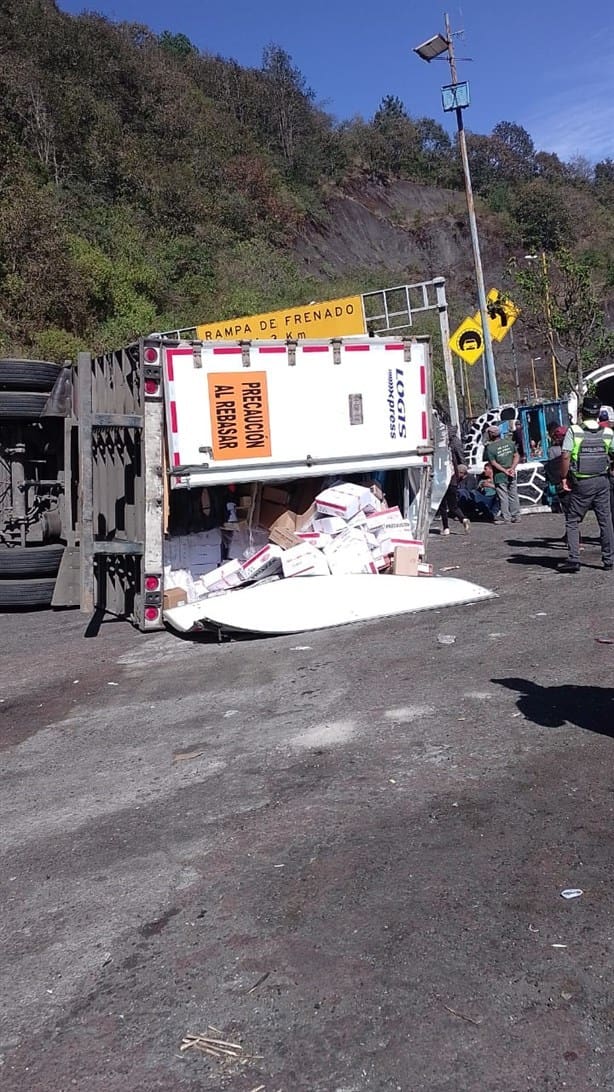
(227, 350)
(422, 379)
(272, 349)
(170, 364)
(425, 425)
(315, 348)
(357, 348)
(396, 345)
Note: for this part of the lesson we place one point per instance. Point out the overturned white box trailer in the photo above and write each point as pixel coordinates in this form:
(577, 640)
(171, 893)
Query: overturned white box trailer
(164, 416)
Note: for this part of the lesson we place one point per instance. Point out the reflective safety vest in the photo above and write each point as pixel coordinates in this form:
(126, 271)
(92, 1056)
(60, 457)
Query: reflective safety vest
(590, 455)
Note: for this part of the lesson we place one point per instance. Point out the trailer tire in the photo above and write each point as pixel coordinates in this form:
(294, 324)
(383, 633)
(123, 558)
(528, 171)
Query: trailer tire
(18, 594)
(30, 560)
(28, 375)
(21, 407)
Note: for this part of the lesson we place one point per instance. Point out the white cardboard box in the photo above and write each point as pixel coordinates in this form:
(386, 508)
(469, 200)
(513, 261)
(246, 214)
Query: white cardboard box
(330, 525)
(349, 553)
(304, 560)
(389, 540)
(388, 517)
(345, 499)
(315, 538)
(265, 562)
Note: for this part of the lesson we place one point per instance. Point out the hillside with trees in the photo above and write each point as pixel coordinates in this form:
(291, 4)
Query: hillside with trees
(146, 185)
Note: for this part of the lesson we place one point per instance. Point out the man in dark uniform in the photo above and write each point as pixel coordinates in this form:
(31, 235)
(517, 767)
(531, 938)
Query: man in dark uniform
(586, 458)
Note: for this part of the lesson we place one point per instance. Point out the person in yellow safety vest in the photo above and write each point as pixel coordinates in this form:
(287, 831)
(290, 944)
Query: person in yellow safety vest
(586, 458)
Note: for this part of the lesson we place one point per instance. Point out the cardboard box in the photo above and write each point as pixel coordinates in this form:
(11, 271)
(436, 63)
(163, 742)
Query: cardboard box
(386, 517)
(174, 597)
(425, 569)
(265, 562)
(389, 540)
(406, 559)
(329, 525)
(271, 494)
(345, 499)
(304, 560)
(349, 553)
(270, 512)
(284, 531)
(315, 538)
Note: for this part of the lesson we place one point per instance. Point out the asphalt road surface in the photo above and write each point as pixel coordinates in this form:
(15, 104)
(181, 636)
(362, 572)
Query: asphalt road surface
(342, 852)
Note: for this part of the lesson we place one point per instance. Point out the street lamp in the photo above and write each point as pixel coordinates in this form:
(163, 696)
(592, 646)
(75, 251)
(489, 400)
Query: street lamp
(456, 98)
(548, 313)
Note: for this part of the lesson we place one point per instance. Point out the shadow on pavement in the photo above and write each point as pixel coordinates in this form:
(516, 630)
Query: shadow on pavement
(544, 561)
(590, 707)
(529, 543)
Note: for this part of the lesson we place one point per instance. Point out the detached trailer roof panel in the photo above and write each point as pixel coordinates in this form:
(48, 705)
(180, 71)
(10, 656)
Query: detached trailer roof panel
(268, 410)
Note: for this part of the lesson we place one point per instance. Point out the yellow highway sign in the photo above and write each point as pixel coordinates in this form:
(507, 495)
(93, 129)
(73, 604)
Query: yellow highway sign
(467, 340)
(502, 314)
(331, 318)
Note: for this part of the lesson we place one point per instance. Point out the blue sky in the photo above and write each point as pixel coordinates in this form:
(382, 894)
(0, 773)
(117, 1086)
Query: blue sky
(543, 65)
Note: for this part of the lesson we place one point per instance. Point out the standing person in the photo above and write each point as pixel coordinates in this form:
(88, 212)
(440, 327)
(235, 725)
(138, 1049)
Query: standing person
(502, 454)
(586, 458)
(456, 447)
(450, 507)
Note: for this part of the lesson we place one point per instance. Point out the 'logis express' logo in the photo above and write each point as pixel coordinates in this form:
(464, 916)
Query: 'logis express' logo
(396, 403)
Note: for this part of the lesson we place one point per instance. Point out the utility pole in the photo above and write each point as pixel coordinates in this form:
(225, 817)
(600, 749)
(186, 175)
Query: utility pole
(491, 376)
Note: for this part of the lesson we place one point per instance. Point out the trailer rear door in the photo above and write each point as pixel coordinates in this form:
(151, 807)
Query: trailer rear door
(261, 411)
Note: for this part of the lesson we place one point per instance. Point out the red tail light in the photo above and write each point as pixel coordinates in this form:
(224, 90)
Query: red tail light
(152, 583)
(151, 387)
(151, 356)
(152, 614)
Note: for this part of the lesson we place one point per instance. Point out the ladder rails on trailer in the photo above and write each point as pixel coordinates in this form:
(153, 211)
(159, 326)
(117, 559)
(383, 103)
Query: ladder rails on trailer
(120, 485)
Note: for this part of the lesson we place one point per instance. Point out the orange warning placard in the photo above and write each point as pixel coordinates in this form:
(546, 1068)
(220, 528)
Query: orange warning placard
(239, 407)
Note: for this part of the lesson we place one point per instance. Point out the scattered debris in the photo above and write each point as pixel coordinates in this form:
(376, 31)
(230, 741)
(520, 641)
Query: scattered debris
(185, 756)
(516, 714)
(231, 713)
(449, 568)
(112, 684)
(446, 639)
(263, 978)
(558, 945)
(605, 640)
(533, 929)
(392, 780)
(462, 1016)
(572, 892)
(566, 996)
(539, 614)
(301, 648)
(215, 1048)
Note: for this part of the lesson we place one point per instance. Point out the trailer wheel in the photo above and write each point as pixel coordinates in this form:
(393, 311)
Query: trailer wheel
(17, 594)
(21, 407)
(28, 375)
(30, 560)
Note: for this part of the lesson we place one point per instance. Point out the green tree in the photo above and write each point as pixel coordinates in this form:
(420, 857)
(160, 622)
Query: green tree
(563, 306)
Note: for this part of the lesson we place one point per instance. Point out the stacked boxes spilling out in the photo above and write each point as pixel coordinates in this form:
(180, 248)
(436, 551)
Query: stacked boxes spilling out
(345, 529)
